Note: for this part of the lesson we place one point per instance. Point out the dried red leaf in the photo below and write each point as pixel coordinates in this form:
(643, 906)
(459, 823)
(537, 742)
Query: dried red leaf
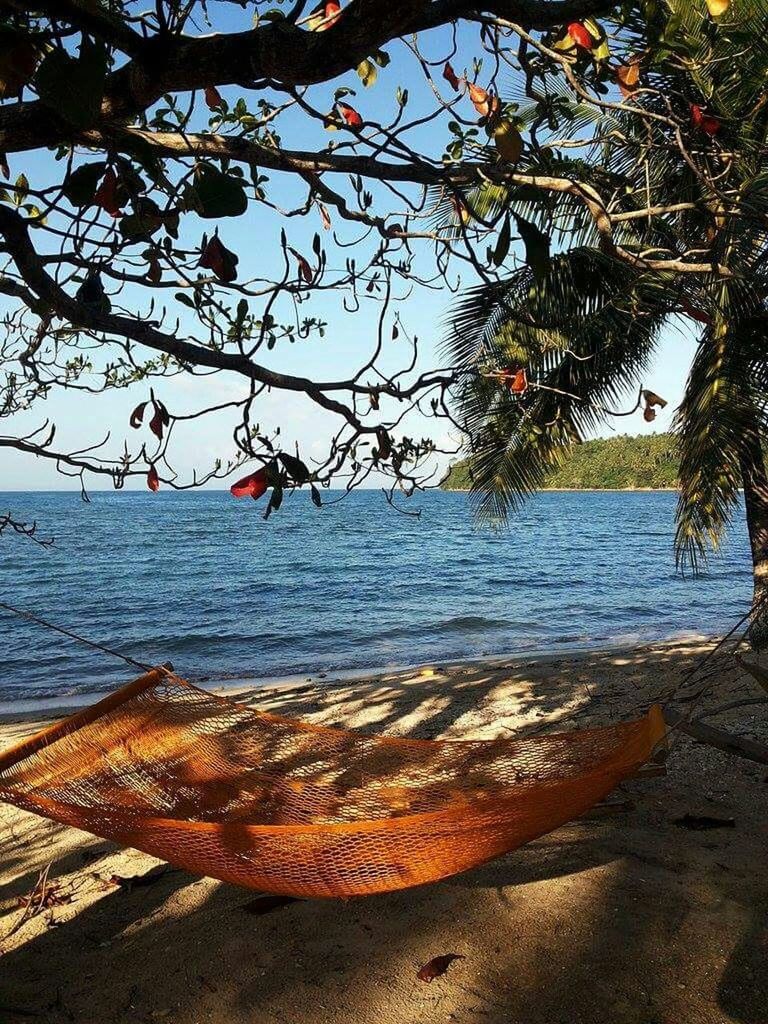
(485, 103)
(157, 422)
(436, 966)
(304, 268)
(515, 380)
(706, 122)
(153, 482)
(628, 78)
(649, 414)
(212, 97)
(581, 35)
(137, 416)
(154, 272)
(332, 14)
(325, 217)
(450, 76)
(219, 259)
(107, 195)
(350, 115)
(253, 485)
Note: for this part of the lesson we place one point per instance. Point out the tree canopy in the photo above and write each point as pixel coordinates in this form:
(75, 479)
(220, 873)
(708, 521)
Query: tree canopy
(377, 152)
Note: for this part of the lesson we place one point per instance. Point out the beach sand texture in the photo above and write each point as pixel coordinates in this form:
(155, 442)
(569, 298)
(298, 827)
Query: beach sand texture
(621, 916)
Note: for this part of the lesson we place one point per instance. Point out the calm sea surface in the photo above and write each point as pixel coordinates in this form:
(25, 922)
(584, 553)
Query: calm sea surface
(203, 581)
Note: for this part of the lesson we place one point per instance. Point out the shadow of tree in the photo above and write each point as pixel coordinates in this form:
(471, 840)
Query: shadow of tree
(624, 919)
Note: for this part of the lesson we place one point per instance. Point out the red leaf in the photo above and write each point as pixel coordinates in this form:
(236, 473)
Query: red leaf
(436, 966)
(106, 195)
(253, 485)
(515, 380)
(137, 416)
(154, 272)
(153, 480)
(450, 75)
(157, 423)
(332, 15)
(484, 102)
(649, 414)
(350, 115)
(580, 35)
(304, 268)
(325, 217)
(706, 122)
(628, 77)
(218, 258)
(212, 97)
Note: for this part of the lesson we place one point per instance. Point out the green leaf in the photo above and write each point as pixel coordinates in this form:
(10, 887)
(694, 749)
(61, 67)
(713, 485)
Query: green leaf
(382, 58)
(366, 69)
(22, 189)
(81, 184)
(536, 247)
(143, 222)
(502, 243)
(216, 194)
(74, 88)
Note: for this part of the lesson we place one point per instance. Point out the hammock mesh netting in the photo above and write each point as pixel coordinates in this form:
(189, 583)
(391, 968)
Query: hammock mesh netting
(288, 807)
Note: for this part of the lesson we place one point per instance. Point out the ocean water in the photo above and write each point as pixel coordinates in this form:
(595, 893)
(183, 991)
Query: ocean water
(203, 581)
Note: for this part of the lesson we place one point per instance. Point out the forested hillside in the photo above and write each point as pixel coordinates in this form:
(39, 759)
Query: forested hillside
(615, 463)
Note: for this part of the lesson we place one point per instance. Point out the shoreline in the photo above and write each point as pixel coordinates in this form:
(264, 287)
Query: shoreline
(47, 709)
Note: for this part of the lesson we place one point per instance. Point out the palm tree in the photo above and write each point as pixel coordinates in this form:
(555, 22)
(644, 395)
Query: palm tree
(584, 324)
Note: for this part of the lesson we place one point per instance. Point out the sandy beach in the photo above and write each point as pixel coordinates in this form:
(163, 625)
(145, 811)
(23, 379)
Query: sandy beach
(622, 916)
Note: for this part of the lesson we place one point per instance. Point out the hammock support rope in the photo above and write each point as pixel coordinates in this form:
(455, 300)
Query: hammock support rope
(283, 806)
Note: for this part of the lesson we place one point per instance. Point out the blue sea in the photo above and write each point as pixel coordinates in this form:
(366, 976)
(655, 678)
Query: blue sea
(203, 581)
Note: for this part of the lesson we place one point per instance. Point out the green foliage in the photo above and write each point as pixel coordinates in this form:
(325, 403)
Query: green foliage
(614, 464)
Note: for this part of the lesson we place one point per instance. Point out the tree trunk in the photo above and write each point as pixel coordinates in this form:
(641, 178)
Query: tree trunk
(755, 481)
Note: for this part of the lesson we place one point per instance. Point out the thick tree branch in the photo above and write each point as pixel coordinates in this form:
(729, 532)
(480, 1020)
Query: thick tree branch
(278, 51)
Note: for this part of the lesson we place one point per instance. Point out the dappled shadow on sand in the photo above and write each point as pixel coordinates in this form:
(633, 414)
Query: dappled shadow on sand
(619, 917)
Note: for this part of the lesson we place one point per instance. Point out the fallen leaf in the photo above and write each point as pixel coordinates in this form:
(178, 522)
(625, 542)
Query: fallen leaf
(703, 822)
(266, 904)
(130, 882)
(436, 966)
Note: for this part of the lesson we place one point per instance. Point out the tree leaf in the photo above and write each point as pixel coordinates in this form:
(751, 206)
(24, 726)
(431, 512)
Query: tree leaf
(80, 186)
(74, 88)
(216, 194)
(536, 247)
(502, 243)
(436, 966)
(366, 69)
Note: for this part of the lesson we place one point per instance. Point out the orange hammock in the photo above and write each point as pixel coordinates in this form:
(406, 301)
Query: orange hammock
(287, 807)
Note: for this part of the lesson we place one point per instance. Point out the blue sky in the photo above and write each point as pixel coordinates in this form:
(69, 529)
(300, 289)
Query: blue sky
(349, 337)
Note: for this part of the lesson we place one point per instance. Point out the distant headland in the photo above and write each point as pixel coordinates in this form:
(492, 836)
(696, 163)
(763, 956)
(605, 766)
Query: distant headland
(622, 463)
